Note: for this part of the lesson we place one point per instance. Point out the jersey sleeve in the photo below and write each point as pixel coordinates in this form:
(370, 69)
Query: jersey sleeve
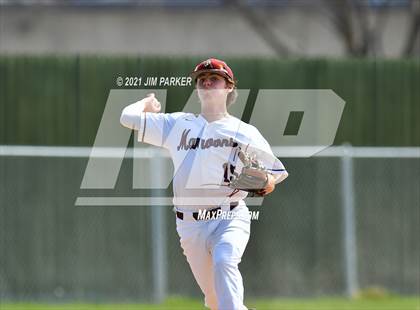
(155, 127)
(152, 128)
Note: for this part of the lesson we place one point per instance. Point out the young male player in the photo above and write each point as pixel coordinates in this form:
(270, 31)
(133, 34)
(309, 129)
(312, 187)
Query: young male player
(206, 151)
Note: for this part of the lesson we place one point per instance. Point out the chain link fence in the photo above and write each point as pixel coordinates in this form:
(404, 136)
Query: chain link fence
(53, 250)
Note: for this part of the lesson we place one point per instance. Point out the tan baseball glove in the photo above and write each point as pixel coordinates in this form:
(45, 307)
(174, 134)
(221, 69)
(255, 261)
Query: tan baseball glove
(253, 177)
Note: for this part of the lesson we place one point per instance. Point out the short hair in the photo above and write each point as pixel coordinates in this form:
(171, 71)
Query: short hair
(232, 96)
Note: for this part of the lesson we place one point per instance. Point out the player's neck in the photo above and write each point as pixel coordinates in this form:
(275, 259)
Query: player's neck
(213, 112)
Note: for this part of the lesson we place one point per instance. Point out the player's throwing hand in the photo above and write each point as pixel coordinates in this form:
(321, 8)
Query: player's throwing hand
(151, 104)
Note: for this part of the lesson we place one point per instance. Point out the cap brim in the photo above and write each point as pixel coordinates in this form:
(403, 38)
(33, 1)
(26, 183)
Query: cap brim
(195, 75)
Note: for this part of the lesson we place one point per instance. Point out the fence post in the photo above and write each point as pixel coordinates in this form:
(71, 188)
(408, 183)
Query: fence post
(349, 231)
(158, 235)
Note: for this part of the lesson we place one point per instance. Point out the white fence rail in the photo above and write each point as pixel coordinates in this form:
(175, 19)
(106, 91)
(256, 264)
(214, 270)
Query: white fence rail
(149, 152)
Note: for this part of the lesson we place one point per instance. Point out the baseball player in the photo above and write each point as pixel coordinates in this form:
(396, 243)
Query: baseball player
(218, 160)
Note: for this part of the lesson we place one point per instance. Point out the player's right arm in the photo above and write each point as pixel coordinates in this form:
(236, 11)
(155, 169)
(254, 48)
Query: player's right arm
(131, 115)
(152, 127)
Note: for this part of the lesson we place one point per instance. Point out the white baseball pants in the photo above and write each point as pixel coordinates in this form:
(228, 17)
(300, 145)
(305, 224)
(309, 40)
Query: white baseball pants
(214, 249)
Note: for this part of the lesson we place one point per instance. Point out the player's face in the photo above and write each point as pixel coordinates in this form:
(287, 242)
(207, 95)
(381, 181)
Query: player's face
(211, 81)
(212, 87)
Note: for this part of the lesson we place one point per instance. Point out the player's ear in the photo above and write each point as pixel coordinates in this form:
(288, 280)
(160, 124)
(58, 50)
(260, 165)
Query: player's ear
(229, 87)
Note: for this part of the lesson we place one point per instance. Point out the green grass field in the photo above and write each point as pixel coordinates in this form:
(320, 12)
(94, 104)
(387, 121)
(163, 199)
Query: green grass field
(388, 303)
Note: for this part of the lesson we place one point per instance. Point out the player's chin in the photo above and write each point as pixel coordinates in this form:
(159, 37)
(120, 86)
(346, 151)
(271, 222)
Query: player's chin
(204, 96)
(211, 93)
(206, 93)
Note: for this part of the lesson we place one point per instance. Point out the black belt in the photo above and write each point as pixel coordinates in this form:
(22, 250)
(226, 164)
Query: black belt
(180, 215)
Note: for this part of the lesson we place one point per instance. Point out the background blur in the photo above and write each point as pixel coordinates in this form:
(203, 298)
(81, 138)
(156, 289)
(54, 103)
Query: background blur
(340, 224)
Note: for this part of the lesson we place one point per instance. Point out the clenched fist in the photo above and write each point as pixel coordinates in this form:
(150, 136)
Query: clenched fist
(130, 116)
(151, 104)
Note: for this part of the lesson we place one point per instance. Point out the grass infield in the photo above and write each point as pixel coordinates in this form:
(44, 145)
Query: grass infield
(388, 303)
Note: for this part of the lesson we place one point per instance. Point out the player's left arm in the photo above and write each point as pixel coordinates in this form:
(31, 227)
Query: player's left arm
(277, 173)
(272, 180)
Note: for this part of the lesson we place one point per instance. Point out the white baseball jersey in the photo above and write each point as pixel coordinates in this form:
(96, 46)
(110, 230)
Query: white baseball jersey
(205, 157)
(204, 154)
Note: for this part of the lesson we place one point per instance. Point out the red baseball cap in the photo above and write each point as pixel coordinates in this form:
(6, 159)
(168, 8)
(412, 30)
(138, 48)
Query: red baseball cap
(216, 66)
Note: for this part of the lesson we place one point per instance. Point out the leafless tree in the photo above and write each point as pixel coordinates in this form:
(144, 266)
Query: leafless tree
(361, 30)
(412, 46)
(358, 25)
(261, 26)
